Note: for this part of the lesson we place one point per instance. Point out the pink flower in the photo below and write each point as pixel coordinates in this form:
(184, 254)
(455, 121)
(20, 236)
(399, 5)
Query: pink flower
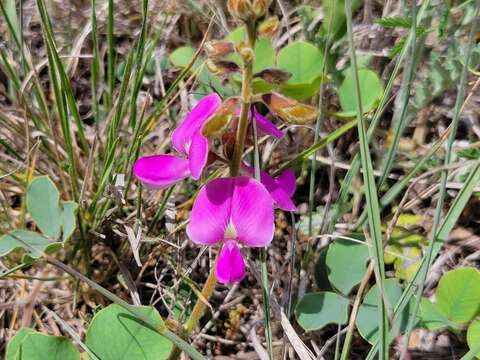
(159, 171)
(265, 126)
(232, 211)
(281, 189)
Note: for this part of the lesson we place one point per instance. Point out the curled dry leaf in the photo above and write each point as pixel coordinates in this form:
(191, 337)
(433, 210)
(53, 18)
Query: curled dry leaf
(289, 110)
(273, 76)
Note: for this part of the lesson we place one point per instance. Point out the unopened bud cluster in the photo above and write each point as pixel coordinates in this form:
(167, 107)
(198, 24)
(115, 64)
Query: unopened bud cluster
(248, 10)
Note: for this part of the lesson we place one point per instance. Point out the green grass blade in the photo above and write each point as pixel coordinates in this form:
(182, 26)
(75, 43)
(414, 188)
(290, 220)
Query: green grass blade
(437, 239)
(110, 56)
(371, 195)
(341, 204)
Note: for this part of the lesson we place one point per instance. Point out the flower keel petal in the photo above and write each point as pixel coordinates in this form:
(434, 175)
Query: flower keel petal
(230, 264)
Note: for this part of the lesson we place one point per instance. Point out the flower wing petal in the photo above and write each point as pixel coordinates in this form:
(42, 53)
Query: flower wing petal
(198, 154)
(287, 181)
(281, 198)
(159, 171)
(266, 126)
(211, 212)
(252, 212)
(193, 122)
(230, 264)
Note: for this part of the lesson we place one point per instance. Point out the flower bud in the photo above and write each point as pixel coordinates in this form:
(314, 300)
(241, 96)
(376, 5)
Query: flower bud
(289, 110)
(218, 49)
(273, 76)
(269, 27)
(222, 68)
(246, 52)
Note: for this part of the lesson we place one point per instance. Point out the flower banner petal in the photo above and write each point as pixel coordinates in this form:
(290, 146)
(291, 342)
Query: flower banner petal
(211, 212)
(182, 135)
(159, 171)
(230, 264)
(252, 212)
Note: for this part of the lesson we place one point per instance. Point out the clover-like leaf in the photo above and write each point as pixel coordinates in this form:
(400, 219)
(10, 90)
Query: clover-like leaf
(43, 205)
(458, 294)
(305, 62)
(432, 318)
(28, 345)
(371, 91)
(473, 336)
(33, 243)
(367, 323)
(316, 310)
(346, 264)
(114, 334)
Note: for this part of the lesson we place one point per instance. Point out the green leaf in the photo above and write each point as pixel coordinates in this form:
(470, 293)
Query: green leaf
(42, 204)
(367, 323)
(335, 10)
(346, 264)
(182, 56)
(395, 22)
(31, 345)
(115, 334)
(473, 335)
(431, 317)
(315, 310)
(305, 62)
(33, 243)
(458, 294)
(321, 273)
(69, 221)
(371, 91)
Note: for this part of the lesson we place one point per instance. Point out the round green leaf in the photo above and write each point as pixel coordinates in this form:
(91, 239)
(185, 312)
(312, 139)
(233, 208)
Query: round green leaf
(346, 264)
(367, 317)
(305, 62)
(33, 243)
(321, 273)
(315, 310)
(31, 345)
(42, 204)
(371, 90)
(182, 56)
(431, 317)
(473, 335)
(458, 294)
(116, 334)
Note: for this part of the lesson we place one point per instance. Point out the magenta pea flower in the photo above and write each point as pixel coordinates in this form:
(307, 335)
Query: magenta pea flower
(281, 188)
(232, 211)
(159, 171)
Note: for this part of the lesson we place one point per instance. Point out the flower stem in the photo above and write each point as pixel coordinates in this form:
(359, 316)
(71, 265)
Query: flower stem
(246, 102)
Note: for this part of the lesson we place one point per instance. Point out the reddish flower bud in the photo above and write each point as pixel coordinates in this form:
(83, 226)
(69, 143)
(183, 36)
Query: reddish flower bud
(289, 110)
(218, 49)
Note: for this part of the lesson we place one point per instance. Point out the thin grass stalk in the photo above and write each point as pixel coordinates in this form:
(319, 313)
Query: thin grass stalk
(95, 67)
(399, 122)
(263, 253)
(343, 195)
(443, 180)
(370, 194)
(110, 56)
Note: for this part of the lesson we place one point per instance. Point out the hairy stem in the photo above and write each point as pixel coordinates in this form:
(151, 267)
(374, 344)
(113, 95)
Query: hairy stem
(246, 102)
